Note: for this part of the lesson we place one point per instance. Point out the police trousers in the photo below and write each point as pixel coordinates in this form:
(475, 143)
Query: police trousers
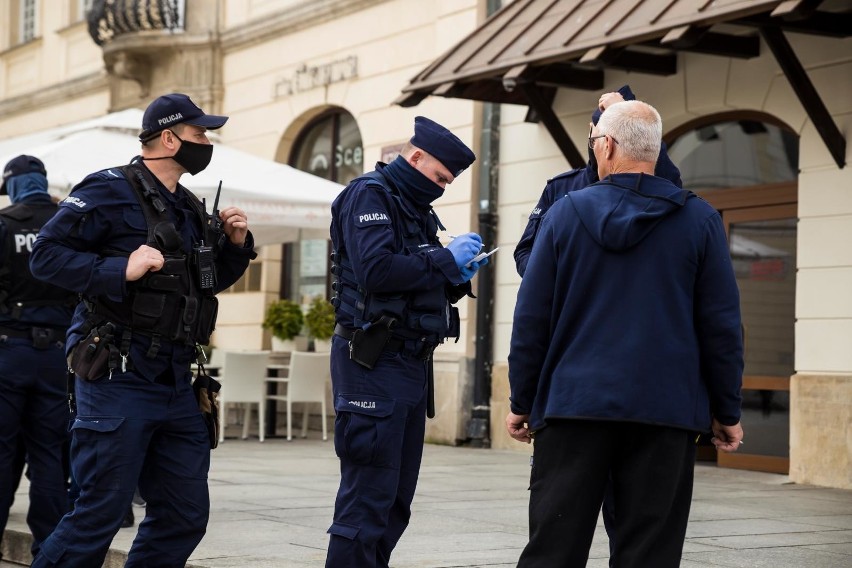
(130, 430)
(380, 423)
(33, 419)
(651, 471)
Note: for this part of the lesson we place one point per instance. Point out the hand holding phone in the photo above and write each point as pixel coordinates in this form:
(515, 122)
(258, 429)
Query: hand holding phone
(482, 255)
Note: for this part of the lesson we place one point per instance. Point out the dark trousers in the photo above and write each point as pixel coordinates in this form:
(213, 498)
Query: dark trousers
(33, 419)
(380, 421)
(128, 431)
(651, 469)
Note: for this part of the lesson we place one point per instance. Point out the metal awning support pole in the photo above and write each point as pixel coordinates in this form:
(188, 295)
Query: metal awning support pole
(553, 125)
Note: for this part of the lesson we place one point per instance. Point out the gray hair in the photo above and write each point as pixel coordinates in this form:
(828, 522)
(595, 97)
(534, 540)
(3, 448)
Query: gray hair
(636, 126)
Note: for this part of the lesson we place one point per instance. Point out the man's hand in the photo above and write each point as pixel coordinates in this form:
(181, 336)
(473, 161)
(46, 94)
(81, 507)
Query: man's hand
(516, 424)
(727, 438)
(141, 261)
(236, 225)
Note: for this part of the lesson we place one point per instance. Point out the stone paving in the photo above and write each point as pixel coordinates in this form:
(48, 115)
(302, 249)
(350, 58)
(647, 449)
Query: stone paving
(272, 503)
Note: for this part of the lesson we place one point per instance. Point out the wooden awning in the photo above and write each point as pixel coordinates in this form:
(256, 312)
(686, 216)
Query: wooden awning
(529, 48)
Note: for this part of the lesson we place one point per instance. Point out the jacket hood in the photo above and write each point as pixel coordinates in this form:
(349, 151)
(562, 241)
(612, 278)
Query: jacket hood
(621, 210)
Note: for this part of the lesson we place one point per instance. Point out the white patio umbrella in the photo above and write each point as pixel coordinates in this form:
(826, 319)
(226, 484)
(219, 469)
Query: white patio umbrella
(283, 204)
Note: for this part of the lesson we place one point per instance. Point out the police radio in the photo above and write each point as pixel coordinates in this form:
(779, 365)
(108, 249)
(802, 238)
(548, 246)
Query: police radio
(204, 256)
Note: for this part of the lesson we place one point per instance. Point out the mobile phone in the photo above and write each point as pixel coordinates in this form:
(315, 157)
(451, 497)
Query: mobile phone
(482, 255)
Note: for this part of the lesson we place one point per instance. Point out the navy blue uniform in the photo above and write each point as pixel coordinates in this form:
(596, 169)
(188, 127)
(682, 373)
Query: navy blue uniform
(390, 249)
(33, 376)
(137, 424)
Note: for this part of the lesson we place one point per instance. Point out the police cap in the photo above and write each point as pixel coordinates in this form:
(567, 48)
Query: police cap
(23, 164)
(442, 144)
(168, 110)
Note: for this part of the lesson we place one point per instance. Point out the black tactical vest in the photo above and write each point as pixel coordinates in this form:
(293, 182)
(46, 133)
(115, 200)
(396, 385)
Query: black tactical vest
(171, 303)
(18, 288)
(425, 315)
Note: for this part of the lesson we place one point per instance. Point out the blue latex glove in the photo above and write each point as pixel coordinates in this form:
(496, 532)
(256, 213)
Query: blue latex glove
(464, 248)
(468, 272)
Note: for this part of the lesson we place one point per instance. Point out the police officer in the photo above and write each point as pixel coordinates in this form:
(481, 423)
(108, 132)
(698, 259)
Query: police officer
(34, 317)
(148, 261)
(578, 178)
(394, 289)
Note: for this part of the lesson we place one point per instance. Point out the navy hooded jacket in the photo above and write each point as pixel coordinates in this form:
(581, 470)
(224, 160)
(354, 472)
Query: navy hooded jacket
(628, 311)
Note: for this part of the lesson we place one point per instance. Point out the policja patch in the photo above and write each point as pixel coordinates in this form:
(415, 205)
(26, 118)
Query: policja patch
(369, 218)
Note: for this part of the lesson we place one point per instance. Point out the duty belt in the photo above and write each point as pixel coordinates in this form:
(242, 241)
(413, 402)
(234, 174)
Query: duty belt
(395, 344)
(41, 337)
(17, 333)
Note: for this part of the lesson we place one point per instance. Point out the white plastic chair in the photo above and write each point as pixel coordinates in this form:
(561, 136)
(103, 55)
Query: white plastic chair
(306, 382)
(243, 378)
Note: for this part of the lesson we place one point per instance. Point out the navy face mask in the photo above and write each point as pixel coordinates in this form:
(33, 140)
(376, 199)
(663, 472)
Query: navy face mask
(412, 184)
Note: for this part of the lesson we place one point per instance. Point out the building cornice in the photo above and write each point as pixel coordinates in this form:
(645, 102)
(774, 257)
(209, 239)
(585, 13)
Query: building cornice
(287, 21)
(54, 94)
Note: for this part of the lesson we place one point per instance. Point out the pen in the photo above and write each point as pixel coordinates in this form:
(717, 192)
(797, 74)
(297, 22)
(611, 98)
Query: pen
(456, 236)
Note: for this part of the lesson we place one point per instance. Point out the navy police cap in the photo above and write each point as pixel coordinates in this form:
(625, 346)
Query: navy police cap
(168, 110)
(22, 164)
(442, 144)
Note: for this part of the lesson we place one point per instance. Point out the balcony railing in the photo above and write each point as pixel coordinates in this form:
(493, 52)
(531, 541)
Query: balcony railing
(109, 19)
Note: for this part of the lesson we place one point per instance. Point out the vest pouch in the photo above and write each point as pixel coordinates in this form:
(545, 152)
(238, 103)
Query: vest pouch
(163, 282)
(147, 310)
(206, 321)
(382, 305)
(185, 318)
(430, 324)
(432, 300)
(454, 327)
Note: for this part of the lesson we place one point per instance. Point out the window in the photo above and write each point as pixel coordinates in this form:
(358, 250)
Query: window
(329, 147)
(27, 30)
(80, 8)
(735, 153)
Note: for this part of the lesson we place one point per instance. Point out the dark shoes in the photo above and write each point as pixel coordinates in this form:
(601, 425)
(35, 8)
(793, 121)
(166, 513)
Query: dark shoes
(128, 518)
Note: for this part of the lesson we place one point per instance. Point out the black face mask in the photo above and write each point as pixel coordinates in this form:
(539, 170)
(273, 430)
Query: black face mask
(193, 157)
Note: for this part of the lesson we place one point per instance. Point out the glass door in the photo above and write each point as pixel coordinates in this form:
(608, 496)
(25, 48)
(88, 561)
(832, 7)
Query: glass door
(762, 242)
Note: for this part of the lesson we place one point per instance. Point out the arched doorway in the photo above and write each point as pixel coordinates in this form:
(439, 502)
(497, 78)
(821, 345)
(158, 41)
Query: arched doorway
(329, 146)
(746, 166)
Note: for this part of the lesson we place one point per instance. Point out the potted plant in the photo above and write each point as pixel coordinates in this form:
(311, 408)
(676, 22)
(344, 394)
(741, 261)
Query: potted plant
(284, 319)
(319, 322)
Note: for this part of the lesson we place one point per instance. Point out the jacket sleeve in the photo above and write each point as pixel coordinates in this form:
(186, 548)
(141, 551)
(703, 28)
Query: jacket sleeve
(718, 325)
(532, 322)
(233, 261)
(524, 246)
(63, 253)
(665, 168)
(368, 221)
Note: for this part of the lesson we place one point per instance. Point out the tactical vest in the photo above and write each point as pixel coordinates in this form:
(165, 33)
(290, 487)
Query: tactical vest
(172, 303)
(18, 288)
(426, 315)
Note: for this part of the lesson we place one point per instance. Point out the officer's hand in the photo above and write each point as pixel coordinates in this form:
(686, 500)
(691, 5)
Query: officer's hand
(142, 260)
(516, 424)
(464, 248)
(236, 225)
(609, 99)
(467, 272)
